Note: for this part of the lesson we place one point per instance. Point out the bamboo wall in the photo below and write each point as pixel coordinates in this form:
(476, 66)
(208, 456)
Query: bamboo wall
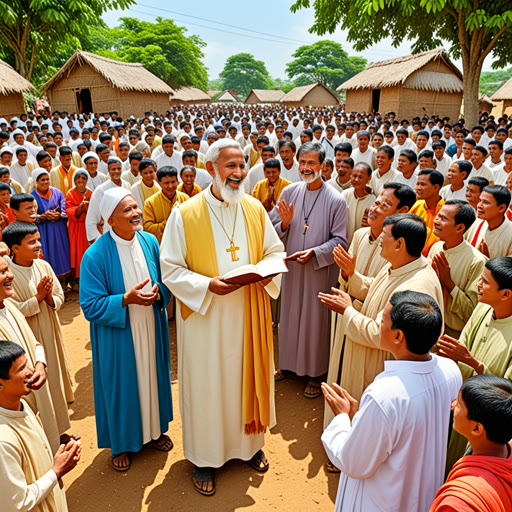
(359, 100)
(414, 102)
(11, 105)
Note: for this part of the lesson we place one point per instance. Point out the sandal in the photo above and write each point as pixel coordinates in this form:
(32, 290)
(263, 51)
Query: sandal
(280, 375)
(118, 467)
(313, 389)
(201, 476)
(331, 468)
(256, 461)
(162, 443)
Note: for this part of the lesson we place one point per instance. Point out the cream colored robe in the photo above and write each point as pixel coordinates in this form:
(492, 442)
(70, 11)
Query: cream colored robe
(45, 324)
(210, 340)
(466, 265)
(14, 327)
(356, 207)
(27, 481)
(369, 262)
(498, 240)
(363, 358)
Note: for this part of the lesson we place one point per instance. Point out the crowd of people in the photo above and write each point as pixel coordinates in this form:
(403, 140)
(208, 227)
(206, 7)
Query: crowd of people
(378, 250)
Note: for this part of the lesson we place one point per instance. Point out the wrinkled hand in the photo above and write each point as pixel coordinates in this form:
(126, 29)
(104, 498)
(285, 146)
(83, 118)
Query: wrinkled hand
(302, 257)
(338, 302)
(286, 212)
(456, 350)
(67, 457)
(139, 297)
(344, 260)
(339, 400)
(484, 249)
(442, 268)
(38, 378)
(220, 287)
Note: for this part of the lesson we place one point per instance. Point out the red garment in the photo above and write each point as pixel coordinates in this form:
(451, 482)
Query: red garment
(78, 243)
(477, 484)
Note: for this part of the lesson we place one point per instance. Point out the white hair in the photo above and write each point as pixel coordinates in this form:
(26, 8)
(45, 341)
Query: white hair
(214, 150)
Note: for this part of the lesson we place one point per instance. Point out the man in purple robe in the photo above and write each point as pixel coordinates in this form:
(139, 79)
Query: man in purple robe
(310, 218)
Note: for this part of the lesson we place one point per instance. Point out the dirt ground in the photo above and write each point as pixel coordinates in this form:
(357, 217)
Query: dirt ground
(162, 482)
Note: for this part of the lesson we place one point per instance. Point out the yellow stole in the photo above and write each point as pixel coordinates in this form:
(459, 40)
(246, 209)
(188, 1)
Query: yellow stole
(258, 337)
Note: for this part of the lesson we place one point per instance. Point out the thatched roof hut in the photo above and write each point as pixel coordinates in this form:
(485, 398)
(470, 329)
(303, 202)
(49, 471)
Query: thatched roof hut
(12, 87)
(90, 83)
(425, 83)
(503, 98)
(264, 96)
(227, 96)
(212, 93)
(189, 96)
(485, 104)
(314, 95)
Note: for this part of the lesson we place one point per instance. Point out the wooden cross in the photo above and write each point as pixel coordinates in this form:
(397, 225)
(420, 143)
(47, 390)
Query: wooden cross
(232, 249)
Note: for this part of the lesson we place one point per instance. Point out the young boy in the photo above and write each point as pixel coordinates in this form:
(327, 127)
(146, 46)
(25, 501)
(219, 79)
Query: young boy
(474, 189)
(147, 186)
(482, 480)
(457, 175)
(188, 184)
(267, 191)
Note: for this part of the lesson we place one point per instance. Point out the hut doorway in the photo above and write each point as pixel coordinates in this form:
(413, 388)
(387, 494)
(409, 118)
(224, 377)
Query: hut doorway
(375, 100)
(84, 101)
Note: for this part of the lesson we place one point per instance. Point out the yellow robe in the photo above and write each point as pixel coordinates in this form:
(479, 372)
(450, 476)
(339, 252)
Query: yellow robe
(58, 180)
(195, 190)
(420, 209)
(157, 210)
(142, 192)
(45, 324)
(261, 189)
(26, 458)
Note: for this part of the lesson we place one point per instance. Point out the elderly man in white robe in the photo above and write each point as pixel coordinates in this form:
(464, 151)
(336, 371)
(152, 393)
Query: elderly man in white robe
(225, 341)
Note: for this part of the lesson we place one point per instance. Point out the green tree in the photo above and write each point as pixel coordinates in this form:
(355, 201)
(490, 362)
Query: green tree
(242, 72)
(163, 48)
(472, 28)
(324, 61)
(32, 30)
(283, 85)
(491, 81)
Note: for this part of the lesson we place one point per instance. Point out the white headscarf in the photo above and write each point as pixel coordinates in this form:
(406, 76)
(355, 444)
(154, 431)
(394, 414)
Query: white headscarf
(37, 173)
(90, 154)
(110, 201)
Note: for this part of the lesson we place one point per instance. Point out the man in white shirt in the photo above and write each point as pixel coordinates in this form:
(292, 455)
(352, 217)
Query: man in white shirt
(407, 163)
(169, 157)
(478, 156)
(443, 161)
(384, 172)
(364, 152)
(391, 448)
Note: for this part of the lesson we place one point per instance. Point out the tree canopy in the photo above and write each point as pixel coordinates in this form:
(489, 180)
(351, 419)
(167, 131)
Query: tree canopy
(242, 73)
(473, 29)
(324, 61)
(491, 81)
(31, 31)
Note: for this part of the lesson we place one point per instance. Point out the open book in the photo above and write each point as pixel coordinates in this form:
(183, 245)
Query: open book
(248, 274)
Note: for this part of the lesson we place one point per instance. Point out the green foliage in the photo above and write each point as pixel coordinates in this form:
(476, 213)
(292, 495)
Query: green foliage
(491, 81)
(325, 62)
(33, 31)
(283, 85)
(163, 48)
(242, 72)
(216, 84)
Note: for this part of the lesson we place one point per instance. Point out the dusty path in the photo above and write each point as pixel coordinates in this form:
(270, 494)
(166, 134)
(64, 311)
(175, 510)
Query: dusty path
(161, 482)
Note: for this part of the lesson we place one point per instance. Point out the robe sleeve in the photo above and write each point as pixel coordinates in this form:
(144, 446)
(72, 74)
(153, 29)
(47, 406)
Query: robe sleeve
(359, 449)
(273, 248)
(276, 220)
(29, 307)
(62, 204)
(358, 285)
(97, 305)
(150, 223)
(452, 504)
(93, 217)
(338, 235)
(362, 329)
(71, 206)
(189, 287)
(57, 292)
(18, 496)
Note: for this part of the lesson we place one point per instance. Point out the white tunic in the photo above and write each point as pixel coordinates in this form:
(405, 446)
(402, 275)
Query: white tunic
(175, 160)
(142, 324)
(393, 455)
(210, 340)
(448, 193)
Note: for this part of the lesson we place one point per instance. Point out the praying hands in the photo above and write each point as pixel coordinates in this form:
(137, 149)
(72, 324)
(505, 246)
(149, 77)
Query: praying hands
(344, 260)
(338, 302)
(339, 400)
(286, 212)
(456, 350)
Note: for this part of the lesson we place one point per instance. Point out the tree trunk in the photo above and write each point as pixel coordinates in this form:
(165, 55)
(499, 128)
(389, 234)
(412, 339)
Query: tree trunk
(471, 86)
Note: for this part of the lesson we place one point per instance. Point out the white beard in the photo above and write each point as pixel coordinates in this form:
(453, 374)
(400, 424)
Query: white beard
(229, 194)
(310, 179)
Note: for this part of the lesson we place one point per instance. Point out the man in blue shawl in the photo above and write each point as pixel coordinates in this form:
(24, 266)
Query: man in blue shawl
(124, 299)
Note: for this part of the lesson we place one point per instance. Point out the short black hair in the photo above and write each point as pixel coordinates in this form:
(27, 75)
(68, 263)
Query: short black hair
(168, 139)
(15, 232)
(362, 165)
(435, 177)
(9, 352)
(388, 150)
(272, 163)
(101, 147)
(65, 150)
(479, 181)
(344, 147)
(481, 149)
(271, 149)
(289, 143)
(464, 166)
(419, 318)
(146, 162)
(410, 155)
(168, 171)
(501, 271)
(465, 213)
(18, 199)
(263, 139)
(411, 228)
(135, 155)
(500, 193)
(496, 143)
(426, 153)
(439, 144)
(488, 400)
(405, 194)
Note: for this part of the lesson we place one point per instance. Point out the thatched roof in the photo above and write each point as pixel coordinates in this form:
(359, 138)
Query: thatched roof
(267, 96)
(126, 76)
(212, 93)
(504, 92)
(484, 98)
(11, 81)
(406, 71)
(227, 96)
(189, 95)
(297, 94)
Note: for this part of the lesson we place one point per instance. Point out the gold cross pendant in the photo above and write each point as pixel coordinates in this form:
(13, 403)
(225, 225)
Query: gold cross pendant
(232, 249)
(305, 228)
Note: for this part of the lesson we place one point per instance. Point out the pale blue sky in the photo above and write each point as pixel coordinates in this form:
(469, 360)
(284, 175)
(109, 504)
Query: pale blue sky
(285, 31)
